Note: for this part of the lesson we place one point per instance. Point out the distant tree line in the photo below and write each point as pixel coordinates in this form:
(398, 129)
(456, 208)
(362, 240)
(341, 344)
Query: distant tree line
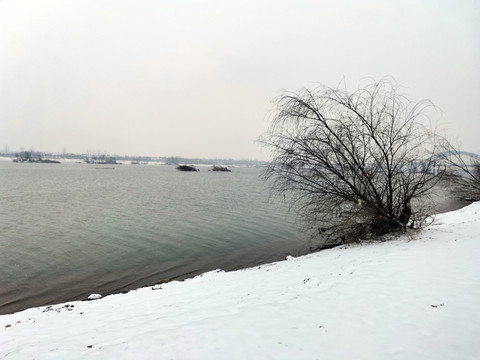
(170, 160)
(32, 157)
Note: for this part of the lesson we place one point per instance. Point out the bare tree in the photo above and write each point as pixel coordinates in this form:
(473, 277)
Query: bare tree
(463, 172)
(353, 163)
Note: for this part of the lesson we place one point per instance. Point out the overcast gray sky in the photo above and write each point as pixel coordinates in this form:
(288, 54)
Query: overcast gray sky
(195, 78)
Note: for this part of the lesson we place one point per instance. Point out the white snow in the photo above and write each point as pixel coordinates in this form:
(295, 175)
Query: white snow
(416, 297)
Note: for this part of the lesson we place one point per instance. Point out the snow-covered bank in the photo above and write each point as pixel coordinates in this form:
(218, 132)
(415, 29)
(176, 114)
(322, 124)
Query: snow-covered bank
(417, 297)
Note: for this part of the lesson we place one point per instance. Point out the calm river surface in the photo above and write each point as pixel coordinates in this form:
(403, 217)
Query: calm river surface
(70, 230)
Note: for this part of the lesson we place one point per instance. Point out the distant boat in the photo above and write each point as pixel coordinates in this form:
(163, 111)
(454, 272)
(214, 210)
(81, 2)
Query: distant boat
(186, 168)
(105, 160)
(220, 168)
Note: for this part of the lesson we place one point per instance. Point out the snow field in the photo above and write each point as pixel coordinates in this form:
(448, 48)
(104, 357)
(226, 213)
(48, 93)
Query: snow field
(416, 297)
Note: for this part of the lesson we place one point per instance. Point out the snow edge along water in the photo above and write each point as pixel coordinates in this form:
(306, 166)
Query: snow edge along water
(413, 297)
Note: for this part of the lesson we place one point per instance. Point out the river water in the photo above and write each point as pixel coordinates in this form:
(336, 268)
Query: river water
(70, 230)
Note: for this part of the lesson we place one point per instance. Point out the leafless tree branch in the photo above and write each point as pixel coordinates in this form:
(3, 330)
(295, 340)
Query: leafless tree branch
(352, 162)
